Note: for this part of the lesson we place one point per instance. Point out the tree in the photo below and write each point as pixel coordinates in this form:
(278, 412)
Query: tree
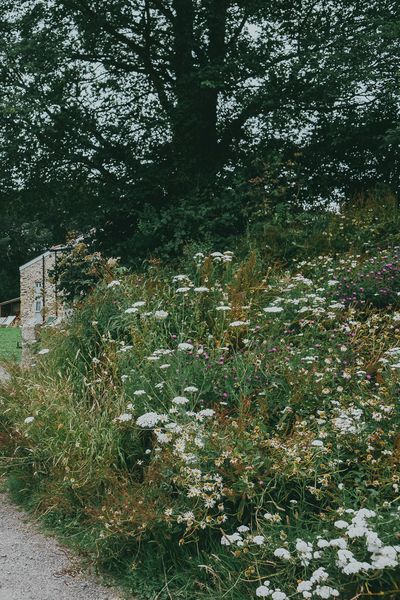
(145, 112)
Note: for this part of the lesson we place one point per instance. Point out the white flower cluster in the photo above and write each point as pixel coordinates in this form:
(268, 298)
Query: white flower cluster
(191, 389)
(305, 551)
(225, 257)
(149, 420)
(242, 537)
(160, 315)
(185, 346)
(223, 308)
(114, 283)
(157, 354)
(349, 421)
(208, 487)
(319, 584)
(182, 277)
(135, 307)
(265, 591)
(382, 556)
(180, 400)
(124, 418)
(311, 587)
(239, 323)
(273, 309)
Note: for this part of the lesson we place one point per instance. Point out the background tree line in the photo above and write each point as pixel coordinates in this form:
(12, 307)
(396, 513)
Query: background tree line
(160, 122)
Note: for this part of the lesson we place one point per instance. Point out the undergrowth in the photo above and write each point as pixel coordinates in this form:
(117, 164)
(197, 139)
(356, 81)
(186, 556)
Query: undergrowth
(227, 431)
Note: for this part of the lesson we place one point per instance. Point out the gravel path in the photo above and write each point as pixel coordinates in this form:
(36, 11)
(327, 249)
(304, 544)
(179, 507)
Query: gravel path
(4, 376)
(34, 567)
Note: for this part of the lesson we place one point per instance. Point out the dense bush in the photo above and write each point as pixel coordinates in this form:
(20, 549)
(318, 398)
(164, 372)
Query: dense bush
(284, 235)
(79, 268)
(376, 282)
(227, 431)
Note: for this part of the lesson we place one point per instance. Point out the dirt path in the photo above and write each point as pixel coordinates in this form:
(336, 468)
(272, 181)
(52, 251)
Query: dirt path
(34, 567)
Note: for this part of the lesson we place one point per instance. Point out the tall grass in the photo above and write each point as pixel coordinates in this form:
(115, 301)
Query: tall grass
(226, 431)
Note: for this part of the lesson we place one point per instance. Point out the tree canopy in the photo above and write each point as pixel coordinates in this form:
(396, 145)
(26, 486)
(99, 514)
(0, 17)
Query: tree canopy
(162, 121)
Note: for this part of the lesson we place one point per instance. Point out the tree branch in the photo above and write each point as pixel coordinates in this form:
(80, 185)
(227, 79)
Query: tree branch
(238, 31)
(164, 10)
(154, 76)
(142, 52)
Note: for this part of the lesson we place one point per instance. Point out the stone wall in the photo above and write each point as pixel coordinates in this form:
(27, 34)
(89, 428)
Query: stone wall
(36, 285)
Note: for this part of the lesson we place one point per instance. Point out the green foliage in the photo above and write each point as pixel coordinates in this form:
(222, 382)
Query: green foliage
(20, 240)
(175, 407)
(202, 116)
(376, 283)
(79, 269)
(369, 223)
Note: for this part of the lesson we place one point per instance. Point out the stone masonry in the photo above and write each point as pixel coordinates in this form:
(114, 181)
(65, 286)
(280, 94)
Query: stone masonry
(39, 298)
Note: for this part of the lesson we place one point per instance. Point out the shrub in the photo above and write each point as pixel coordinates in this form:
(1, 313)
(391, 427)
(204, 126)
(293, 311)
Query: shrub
(375, 282)
(226, 431)
(79, 269)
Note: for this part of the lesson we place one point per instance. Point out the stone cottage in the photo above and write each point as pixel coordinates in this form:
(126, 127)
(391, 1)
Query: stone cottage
(40, 301)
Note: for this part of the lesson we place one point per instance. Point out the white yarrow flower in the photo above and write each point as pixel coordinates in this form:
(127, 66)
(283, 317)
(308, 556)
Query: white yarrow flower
(180, 400)
(185, 346)
(263, 591)
(206, 412)
(273, 309)
(160, 315)
(278, 595)
(282, 553)
(148, 420)
(114, 283)
(259, 540)
(317, 444)
(191, 389)
(341, 524)
(125, 417)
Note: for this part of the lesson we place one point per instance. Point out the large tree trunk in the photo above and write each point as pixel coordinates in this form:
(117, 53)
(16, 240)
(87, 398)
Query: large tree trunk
(195, 133)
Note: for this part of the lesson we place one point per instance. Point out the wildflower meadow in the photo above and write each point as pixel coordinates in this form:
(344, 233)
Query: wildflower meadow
(225, 430)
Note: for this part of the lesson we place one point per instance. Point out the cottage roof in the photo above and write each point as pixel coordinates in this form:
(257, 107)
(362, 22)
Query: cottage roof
(56, 248)
(5, 302)
(31, 262)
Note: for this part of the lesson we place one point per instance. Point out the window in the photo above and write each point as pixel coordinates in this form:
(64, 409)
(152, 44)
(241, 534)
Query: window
(38, 297)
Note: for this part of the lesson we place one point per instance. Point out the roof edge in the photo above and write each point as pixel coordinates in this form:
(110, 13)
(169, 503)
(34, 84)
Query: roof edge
(31, 262)
(4, 302)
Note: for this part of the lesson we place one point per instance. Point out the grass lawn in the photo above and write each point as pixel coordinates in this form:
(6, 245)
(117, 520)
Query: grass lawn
(9, 342)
